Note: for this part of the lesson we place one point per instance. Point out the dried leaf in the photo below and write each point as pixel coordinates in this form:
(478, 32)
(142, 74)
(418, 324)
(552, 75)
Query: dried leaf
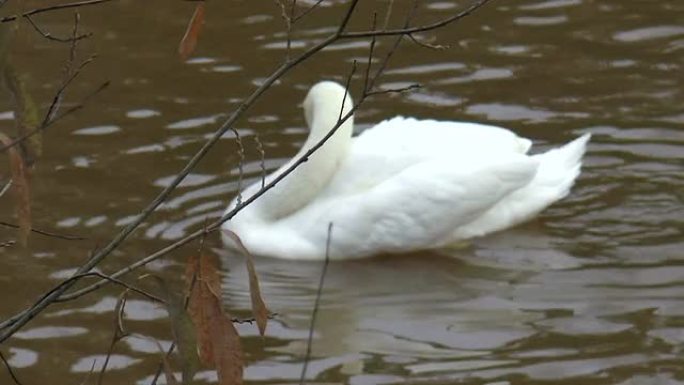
(20, 188)
(189, 40)
(218, 340)
(259, 308)
(183, 330)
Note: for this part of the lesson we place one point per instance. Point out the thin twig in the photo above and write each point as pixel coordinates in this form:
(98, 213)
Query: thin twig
(346, 89)
(370, 55)
(438, 47)
(410, 87)
(251, 320)
(9, 369)
(347, 16)
(86, 379)
(70, 73)
(46, 233)
(288, 25)
(390, 52)
(314, 312)
(262, 159)
(6, 187)
(119, 333)
(241, 161)
(306, 11)
(49, 36)
(108, 278)
(41, 127)
(53, 8)
(422, 28)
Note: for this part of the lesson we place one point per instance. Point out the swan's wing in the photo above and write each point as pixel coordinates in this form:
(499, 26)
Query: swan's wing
(431, 138)
(418, 208)
(381, 152)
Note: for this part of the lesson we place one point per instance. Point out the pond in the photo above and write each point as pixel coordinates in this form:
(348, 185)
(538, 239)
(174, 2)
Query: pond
(590, 292)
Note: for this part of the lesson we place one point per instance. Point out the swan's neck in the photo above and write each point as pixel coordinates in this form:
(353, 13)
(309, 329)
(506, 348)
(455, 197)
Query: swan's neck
(298, 188)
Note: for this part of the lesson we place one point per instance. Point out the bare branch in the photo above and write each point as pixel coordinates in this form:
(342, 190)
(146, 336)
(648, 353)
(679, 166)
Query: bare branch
(250, 320)
(394, 90)
(53, 8)
(314, 312)
(241, 160)
(262, 159)
(288, 25)
(9, 369)
(422, 28)
(118, 335)
(346, 89)
(69, 111)
(347, 16)
(427, 45)
(370, 54)
(46, 233)
(306, 11)
(49, 36)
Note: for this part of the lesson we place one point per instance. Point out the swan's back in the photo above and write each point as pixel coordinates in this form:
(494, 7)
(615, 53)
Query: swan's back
(386, 149)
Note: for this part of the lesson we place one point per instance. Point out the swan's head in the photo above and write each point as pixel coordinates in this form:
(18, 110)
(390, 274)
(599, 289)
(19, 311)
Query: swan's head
(325, 97)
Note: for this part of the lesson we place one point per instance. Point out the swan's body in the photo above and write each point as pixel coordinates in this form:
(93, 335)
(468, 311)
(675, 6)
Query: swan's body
(402, 185)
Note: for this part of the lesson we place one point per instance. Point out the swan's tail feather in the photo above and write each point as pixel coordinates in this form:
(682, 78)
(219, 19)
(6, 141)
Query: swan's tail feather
(559, 167)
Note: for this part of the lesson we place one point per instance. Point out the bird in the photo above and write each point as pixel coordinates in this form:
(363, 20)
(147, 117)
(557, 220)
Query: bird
(403, 185)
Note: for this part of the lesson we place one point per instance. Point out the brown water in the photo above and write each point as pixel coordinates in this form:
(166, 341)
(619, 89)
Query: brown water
(592, 292)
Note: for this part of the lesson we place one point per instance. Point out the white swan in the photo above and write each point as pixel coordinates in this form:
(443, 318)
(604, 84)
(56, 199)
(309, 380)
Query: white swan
(402, 185)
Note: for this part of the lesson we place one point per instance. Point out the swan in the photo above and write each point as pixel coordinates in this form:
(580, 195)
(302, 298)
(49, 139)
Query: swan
(400, 186)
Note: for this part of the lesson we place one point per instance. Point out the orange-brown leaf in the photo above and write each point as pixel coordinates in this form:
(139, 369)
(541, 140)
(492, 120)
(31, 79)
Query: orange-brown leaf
(259, 308)
(189, 40)
(219, 343)
(202, 277)
(20, 188)
(227, 350)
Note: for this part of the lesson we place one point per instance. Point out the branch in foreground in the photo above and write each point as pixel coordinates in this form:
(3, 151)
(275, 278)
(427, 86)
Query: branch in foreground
(49, 36)
(54, 119)
(14, 323)
(9, 369)
(46, 233)
(53, 8)
(314, 312)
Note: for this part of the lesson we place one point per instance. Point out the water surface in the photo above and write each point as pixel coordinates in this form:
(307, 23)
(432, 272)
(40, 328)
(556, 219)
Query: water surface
(591, 292)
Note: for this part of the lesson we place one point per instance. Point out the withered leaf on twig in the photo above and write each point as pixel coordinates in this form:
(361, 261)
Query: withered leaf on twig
(219, 342)
(258, 306)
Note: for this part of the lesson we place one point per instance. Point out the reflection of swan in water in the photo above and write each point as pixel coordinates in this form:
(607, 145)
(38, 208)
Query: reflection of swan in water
(434, 314)
(432, 307)
(401, 186)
